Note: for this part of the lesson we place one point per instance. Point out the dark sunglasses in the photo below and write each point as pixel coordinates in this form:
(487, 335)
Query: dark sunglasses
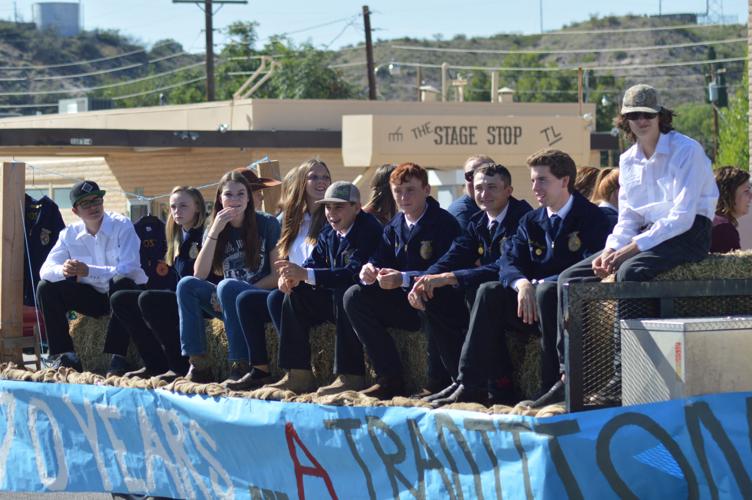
(640, 114)
(94, 202)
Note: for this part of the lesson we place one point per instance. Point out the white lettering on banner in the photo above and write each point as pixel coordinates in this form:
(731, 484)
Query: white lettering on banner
(89, 427)
(59, 481)
(215, 467)
(175, 433)
(152, 449)
(111, 412)
(9, 402)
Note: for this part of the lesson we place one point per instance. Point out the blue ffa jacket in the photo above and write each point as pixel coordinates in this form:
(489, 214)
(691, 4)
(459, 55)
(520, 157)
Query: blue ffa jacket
(534, 253)
(611, 214)
(183, 263)
(414, 251)
(476, 244)
(43, 225)
(463, 209)
(151, 232)
(336, 261)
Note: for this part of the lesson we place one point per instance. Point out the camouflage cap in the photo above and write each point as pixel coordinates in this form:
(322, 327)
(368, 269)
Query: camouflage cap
(341, 192)
(640, 98)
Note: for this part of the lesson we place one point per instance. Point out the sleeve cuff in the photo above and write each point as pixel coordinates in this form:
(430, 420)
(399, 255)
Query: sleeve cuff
(405, 280)
(516, 284)
(311, 279)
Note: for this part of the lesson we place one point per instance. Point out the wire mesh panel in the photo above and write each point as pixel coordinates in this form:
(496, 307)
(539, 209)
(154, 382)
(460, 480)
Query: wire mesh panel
(592, 312)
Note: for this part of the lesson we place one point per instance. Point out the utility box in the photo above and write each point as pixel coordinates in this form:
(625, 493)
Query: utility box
(666, 359)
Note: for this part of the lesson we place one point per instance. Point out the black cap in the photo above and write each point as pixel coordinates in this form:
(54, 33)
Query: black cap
(83, 189)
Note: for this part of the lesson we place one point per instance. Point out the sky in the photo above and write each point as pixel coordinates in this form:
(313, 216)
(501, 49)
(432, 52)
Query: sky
(337, 23)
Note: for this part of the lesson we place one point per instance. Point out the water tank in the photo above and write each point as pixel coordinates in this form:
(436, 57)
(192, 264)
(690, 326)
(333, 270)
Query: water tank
(63, 17)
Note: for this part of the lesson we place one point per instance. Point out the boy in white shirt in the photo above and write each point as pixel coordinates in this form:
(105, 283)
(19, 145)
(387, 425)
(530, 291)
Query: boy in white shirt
(92, 259)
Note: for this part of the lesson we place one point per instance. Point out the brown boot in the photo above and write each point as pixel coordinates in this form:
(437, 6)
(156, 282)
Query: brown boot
(295, 380)
(386, 387)
(342, 383)
(200, 371)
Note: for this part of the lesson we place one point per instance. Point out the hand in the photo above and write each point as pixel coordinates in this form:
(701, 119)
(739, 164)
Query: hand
(526, 303)
(598, 268)
(433, 281)
(290, 270)
(389, 279)
(221, 219)
(285, 285)
(75, 268)
(615, 259)
(417, 297)
(368, 274)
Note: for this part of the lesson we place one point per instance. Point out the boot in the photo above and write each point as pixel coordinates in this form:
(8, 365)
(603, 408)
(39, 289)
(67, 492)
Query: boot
(251, 380)
(342, 383)
(386, 387)
(295, 380)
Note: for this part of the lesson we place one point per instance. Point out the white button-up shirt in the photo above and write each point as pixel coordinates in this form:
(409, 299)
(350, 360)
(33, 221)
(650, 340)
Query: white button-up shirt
(111, 253)
(666, 192)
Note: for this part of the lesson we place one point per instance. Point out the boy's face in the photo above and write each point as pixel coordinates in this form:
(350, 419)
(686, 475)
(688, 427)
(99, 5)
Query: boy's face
(491, 192)
(410, 196)
(341, 215)
(548, 190)
(90, 209)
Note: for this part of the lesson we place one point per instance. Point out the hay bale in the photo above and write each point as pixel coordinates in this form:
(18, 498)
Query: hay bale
(88, 334)
(733, 265)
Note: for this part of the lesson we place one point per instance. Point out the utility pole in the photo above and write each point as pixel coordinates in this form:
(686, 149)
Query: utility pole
(369, 54)
(208, 14)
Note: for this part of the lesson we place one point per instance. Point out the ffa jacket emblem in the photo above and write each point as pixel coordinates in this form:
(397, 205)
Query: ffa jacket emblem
(193, 251)
(44, 237)
(426, 249)
(574, 243)
(480, 249)
(162, 268)
(538, 252)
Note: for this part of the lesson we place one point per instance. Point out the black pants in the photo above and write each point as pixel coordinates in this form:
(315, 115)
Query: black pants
(372, 310)
(151, 319)
(445, 318)
(494, 312)
(57, 298)
(692, 245)
(305, 308)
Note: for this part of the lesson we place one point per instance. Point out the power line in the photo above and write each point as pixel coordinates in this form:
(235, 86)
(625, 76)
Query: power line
(100, 87)
(567, 51)
(160, 89)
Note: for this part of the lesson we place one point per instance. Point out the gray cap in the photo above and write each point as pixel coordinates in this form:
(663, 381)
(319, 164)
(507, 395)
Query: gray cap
(640, 98)
(341, 192)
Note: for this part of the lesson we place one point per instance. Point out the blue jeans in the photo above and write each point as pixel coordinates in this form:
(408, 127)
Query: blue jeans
(245, 314)
(194, 299)
(274, 304)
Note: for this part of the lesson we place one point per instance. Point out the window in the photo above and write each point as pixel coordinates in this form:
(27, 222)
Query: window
(37, 193)
(61, 196)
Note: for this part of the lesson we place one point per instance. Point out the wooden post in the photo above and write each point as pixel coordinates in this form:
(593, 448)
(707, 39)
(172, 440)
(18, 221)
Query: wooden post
(12, 180)
(270, 169)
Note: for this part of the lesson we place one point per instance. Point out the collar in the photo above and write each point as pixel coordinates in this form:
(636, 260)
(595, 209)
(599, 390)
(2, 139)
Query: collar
(411, 224)
(606, 204)
(344, 233)
(105, 229)
(563, 211)
(663, 147)
(499, 218)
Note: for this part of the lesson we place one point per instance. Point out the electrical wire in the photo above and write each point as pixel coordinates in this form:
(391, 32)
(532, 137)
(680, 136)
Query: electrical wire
(568, 51)
(166, 87)
(634, 30)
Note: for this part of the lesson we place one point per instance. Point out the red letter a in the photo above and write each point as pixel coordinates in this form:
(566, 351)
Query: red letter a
(301, 470)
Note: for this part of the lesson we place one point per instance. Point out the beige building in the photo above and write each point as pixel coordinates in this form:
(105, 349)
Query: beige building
(136, 154)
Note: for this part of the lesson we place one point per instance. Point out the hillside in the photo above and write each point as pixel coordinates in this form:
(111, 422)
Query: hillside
(613, 46)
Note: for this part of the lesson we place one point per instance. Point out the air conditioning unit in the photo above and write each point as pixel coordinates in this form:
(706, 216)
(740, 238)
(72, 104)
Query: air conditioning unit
(75, 105)
(666, 359)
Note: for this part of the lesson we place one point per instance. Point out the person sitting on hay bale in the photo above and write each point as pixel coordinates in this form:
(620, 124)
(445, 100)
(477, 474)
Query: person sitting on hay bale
(417, 236)
(667, 200)
(314, 291)
(566, 228)
(733, 203)
(92, 259)
(446, 292)
(240, 245)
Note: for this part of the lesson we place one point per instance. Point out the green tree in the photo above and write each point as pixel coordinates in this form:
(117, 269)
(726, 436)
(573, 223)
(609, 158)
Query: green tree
(733, 137)
(696, 121)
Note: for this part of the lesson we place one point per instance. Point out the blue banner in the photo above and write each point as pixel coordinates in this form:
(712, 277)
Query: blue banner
(62, 437)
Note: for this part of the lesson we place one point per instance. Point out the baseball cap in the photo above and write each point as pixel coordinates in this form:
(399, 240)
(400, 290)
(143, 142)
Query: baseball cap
(255, 181)
(640, 98)
(341, 192)
(83, 189)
